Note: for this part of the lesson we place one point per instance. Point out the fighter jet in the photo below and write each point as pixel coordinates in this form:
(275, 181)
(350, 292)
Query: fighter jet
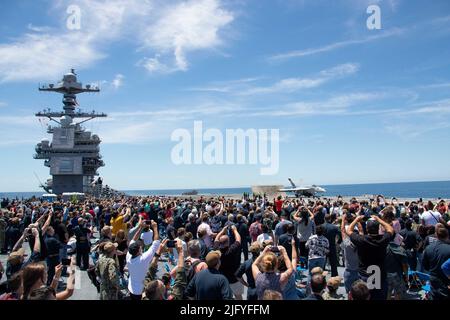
(303, 191)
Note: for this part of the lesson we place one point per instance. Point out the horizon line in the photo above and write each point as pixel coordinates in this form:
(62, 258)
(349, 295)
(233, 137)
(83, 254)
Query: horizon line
(241, 187)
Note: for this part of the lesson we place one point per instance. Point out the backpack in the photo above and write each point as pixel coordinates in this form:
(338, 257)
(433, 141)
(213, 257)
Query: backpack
(191, 266)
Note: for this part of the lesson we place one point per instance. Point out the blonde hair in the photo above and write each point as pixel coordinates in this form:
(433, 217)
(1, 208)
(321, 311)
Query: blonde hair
(269, 262)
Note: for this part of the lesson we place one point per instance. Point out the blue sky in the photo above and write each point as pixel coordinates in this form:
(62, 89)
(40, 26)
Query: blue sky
(353, 105)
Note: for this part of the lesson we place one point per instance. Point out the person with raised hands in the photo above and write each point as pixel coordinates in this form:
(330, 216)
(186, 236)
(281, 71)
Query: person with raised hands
(371, 249)
(265, 270)
(139, 261)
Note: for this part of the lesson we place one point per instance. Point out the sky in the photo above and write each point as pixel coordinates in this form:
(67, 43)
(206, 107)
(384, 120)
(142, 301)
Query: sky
(352, 104)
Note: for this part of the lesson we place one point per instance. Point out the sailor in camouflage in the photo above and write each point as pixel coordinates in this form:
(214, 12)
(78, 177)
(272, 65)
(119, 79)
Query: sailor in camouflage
(107, 270)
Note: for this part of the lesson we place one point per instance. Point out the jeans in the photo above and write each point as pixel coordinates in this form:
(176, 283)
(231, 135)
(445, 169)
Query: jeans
(412, 259)
(63, 255)
(83, 256)
(350, 276)
(316, 262)
(245, 249)
(333, 259)
(52, 262)
(419, 260)
(303, 250)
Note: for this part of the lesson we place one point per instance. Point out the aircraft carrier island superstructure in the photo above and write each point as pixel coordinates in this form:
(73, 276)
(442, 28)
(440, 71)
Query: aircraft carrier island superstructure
(73, 155)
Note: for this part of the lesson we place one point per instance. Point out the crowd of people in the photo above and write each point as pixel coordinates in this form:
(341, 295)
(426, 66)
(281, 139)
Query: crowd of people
(213, 248)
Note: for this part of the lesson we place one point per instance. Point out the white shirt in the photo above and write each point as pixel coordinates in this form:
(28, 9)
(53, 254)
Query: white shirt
(263, 237)
(430, 217)
(175, 252)
(147, 237)
(336, 210)
(209, 232)
(138, 266)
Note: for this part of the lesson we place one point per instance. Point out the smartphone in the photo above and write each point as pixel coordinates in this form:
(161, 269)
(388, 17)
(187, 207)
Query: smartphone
(65, 262)
(274, 249)
(171, 244)
(148, 222)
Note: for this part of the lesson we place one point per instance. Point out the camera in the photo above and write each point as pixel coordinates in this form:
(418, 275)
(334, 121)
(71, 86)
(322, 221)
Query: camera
(171, 244)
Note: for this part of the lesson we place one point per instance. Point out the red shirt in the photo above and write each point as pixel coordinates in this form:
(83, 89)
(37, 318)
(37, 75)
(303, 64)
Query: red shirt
(144, 215)
(278, 205)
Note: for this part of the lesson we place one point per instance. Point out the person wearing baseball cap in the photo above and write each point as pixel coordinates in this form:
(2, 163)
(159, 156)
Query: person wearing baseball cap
(108, 270)
(371, 249)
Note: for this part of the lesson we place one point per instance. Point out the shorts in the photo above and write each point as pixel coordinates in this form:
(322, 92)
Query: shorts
(396, 284)
(237, 288)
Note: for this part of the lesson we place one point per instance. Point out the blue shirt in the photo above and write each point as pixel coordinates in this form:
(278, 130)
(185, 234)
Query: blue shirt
(279, 227)
(209, 284)
(446, 268)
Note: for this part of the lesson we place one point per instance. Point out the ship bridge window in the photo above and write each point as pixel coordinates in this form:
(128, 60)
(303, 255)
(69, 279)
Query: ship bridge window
(66, 166)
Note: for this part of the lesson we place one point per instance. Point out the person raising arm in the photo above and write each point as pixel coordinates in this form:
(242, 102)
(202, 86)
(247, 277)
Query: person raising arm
(68, 292)
(284, 277)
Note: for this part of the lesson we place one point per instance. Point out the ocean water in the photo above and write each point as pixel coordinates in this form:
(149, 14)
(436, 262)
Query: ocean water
(432, 190)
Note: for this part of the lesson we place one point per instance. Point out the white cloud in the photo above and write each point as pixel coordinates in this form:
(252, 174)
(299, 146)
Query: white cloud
(294, 84)
(411, 131)
(336, 45)
(38, 28)
(337, 105)
(153, 65)
(180, 28)
(118, 81)
(3, 104)
(225, 86)
(44, 56)
(186, 27)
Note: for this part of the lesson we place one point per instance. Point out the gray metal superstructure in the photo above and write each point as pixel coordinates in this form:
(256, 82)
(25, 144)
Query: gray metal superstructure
(73, 155)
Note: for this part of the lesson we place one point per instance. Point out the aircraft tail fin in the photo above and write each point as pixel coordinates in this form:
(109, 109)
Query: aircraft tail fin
(292, 183)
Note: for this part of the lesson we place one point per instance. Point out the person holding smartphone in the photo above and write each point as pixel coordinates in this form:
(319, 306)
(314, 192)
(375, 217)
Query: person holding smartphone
(230, 258)
(138, 260)
(265, 271)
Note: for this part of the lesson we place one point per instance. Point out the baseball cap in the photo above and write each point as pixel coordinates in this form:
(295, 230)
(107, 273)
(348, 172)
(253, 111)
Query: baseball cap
(109, 247)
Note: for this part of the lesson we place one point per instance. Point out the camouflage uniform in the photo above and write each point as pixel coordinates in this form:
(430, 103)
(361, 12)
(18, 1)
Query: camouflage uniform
(332, 296)
(108, 271)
